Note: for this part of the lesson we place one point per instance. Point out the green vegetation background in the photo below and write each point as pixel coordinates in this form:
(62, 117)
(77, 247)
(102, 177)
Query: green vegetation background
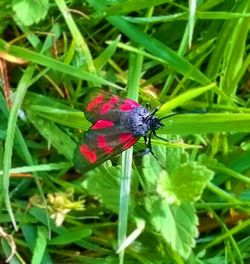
(188, 56)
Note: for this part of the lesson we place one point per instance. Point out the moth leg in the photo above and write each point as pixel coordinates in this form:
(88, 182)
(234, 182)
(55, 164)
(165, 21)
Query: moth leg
(148, 143)
(161, 138)
(147, 150)
(164, 139)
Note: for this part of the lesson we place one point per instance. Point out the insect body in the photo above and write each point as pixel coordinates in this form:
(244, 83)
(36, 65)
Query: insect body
(117, 124)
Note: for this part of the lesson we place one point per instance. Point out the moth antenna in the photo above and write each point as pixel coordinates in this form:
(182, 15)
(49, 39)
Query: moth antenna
(184, 112)
(165, 117)
(155, 110)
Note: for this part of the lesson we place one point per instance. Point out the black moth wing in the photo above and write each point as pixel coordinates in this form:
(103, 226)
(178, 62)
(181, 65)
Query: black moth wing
(98, 105)
(96, 147)
(109, 135)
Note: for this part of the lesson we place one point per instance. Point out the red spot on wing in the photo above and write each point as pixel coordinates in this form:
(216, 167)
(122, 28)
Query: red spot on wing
(128, 105)
(97, 100)
(101, 142)
(110, 104)
(127, 140)
(89, 154)
(100, 124)
(108, 149)
(105, 108)
(114, 99)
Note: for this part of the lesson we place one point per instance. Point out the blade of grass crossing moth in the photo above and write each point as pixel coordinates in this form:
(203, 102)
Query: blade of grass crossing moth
(134, 73)
(124, 199)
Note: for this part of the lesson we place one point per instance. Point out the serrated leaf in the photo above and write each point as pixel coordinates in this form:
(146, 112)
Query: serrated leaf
(170, 158)
(176, 224)
(185, 184)
(104, 183)
(29, 12)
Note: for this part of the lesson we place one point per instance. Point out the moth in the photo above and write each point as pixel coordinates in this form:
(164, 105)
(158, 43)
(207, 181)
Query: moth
(117, 124)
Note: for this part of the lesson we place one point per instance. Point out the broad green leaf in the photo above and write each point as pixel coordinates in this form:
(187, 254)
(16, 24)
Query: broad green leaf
(176, 224)
(152, 168)
(167, 158)
(104, 183)
(28, 12)
(185, 184)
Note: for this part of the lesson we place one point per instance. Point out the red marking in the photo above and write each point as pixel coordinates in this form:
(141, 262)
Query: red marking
(100, 124)
(127, 139)
(129, 105)
(105, 108)
(94, 102)
(101, 141)
(114, 99)
(89, 154)
(108, 149)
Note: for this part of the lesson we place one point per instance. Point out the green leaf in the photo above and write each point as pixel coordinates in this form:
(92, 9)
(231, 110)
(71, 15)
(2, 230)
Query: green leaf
(6, 250)
(152, 45)
(30, 234)
(185, 184)
(40, 246)
(152, 168)
(54, 135)
(71, 235)
(70, 118)
(104, 183)
(41, 59)
(184, 97)
(28, 12)
(176, 224)
(54, 110)
(103, 58)
(188, 124)
(170, 158)
(2, 134)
